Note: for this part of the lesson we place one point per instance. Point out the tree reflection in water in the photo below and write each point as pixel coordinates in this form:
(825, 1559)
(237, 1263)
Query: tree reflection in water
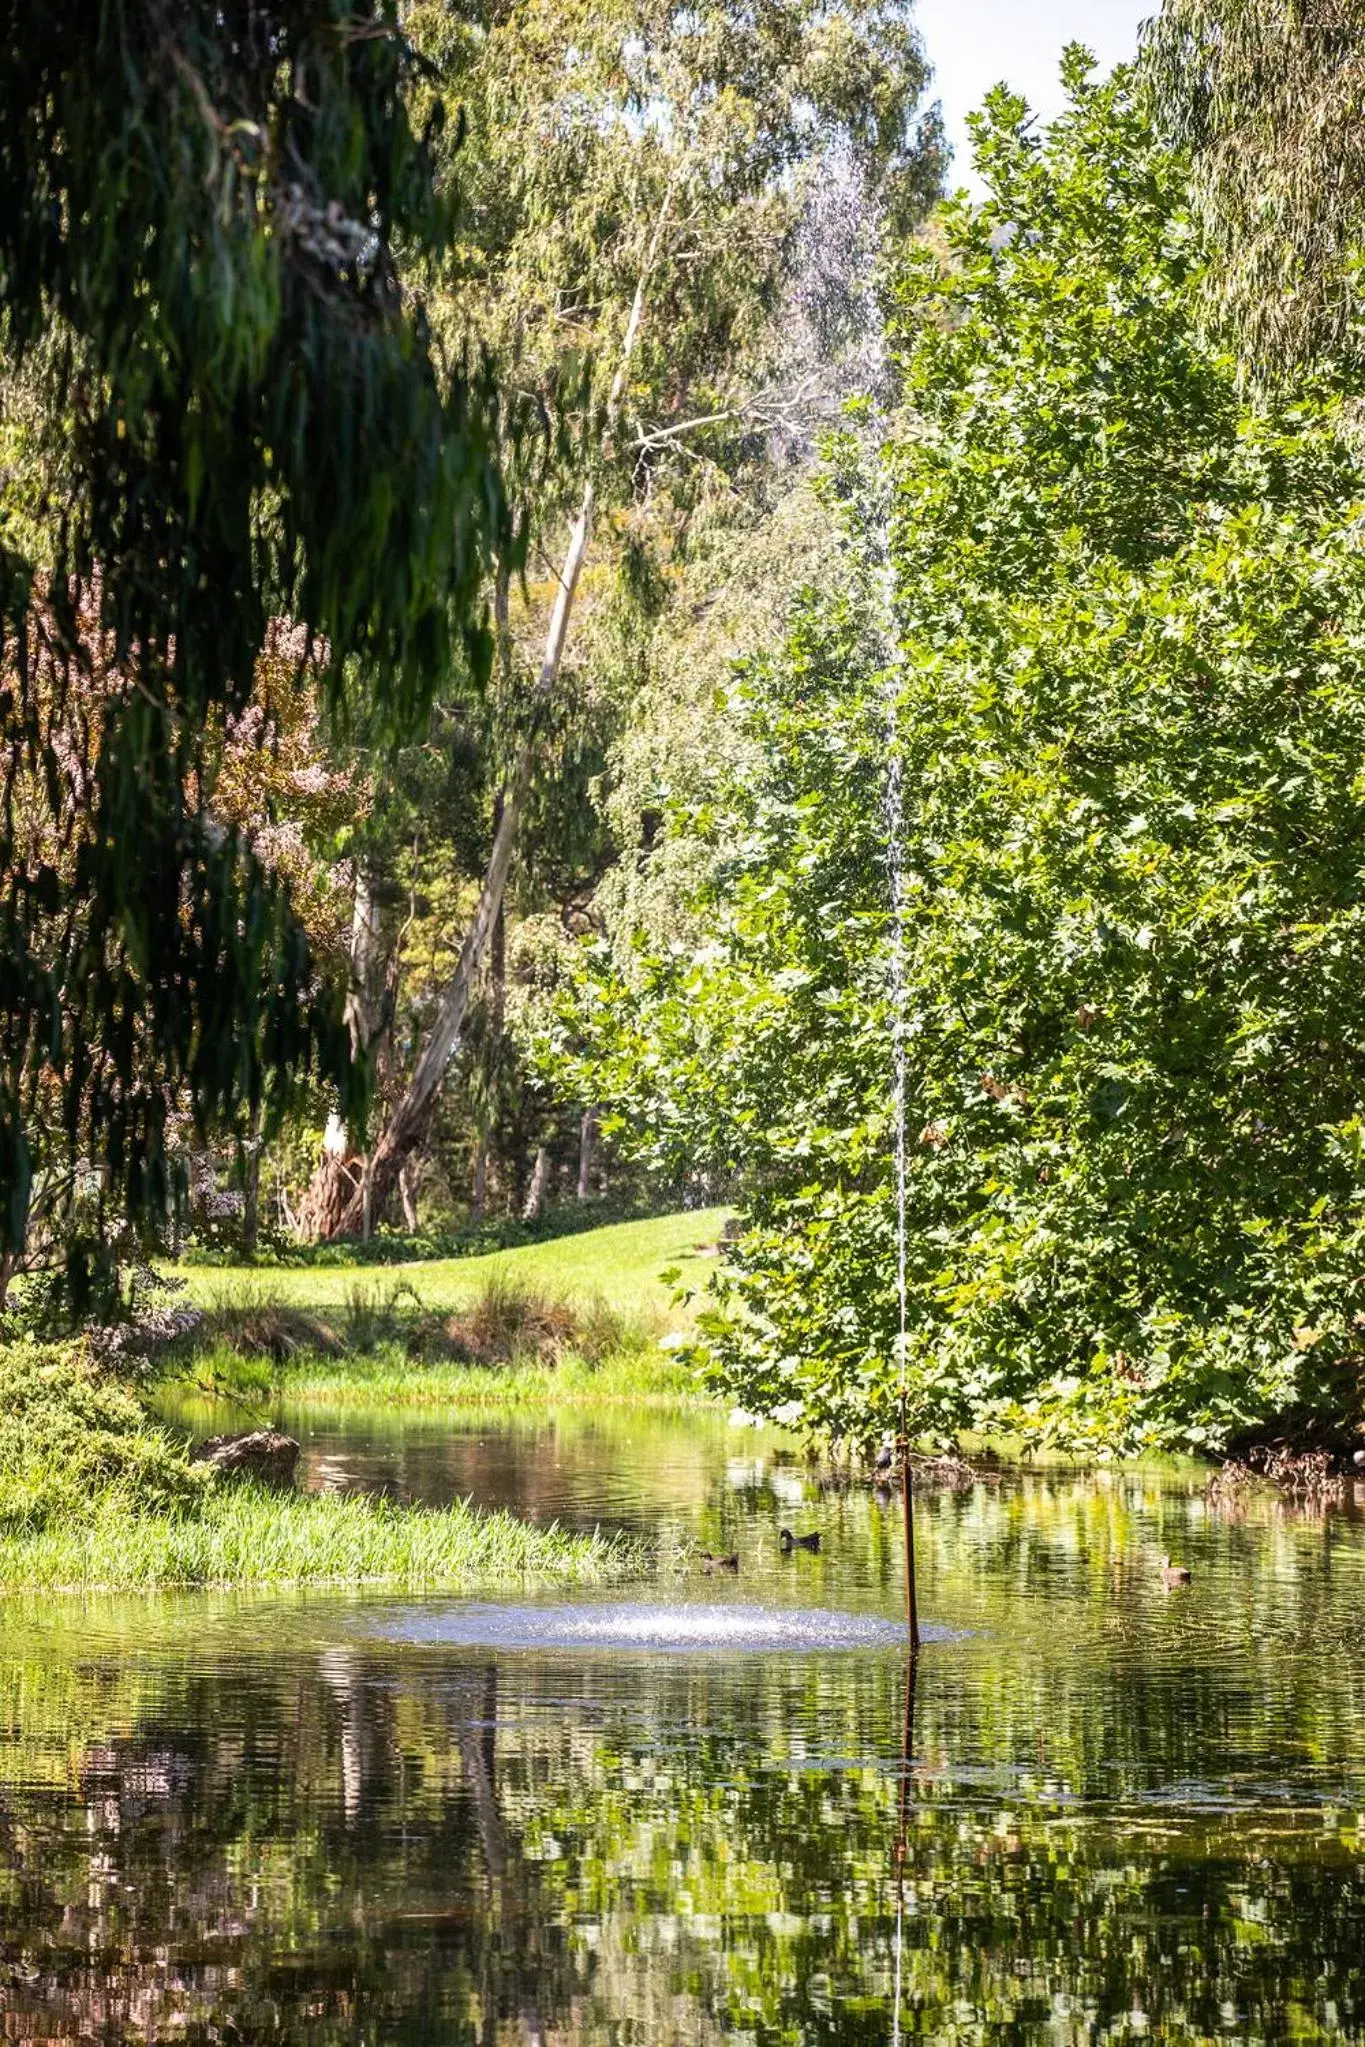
(1106, 1812)
(902, 1835)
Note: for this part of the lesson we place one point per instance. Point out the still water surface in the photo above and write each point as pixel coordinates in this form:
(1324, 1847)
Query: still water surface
(1107, 1811)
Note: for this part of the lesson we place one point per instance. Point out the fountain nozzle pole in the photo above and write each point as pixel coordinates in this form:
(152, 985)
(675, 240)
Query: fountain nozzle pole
(911, 1596)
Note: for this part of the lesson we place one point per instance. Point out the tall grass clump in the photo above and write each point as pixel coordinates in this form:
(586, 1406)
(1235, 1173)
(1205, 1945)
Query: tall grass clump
(513, 1343)
(513, 1322)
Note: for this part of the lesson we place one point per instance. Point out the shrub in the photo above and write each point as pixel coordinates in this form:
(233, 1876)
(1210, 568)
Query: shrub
(74, 1443)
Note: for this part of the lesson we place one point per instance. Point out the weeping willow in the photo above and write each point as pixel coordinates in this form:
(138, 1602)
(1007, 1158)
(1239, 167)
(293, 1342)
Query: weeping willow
(220, 405)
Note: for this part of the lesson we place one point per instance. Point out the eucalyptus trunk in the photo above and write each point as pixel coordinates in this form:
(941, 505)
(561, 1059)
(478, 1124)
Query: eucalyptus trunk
(538, 1191)
(251, 1187)
(587, 1147)
(411, 1116)
(408, 1188)
(478, 1193)
(497, 998)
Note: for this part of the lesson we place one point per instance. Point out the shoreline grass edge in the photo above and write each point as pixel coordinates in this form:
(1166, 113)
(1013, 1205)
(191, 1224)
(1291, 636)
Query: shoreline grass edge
(244, 1536)
(651, 1377)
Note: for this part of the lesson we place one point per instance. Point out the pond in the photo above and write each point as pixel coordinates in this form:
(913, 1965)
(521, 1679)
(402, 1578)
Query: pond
(1107, 1809)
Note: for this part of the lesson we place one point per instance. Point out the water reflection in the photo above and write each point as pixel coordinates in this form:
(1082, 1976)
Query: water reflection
(903, 1840)
(1109, 1811)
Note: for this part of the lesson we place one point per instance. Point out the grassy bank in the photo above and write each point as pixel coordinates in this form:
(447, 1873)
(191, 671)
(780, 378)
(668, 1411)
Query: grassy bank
(579, 1321)
(94, 1493)
(243, 1535)
(390, 1376)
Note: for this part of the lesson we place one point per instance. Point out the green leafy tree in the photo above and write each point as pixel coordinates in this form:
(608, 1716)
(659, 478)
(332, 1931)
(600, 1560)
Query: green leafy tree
(1122, 665)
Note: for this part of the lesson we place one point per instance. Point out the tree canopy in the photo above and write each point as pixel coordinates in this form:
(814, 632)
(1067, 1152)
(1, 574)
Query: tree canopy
(1120, 675)
(1266, 96)
(645, 176)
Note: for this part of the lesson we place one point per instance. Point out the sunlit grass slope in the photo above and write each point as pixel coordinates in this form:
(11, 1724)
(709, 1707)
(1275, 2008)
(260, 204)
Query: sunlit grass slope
(619, 1264)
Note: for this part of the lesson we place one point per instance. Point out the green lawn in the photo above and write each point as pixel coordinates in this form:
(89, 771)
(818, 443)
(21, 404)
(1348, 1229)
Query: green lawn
(619, 1264)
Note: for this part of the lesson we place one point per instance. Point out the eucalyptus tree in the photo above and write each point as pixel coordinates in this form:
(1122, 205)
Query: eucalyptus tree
(1267, 97)
(218, 224)
(644, 172)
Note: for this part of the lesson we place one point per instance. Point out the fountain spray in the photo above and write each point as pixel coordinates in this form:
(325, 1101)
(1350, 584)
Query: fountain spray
(895, 862)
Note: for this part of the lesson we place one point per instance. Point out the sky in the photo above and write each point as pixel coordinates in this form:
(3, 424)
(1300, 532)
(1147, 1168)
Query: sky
(974, 44)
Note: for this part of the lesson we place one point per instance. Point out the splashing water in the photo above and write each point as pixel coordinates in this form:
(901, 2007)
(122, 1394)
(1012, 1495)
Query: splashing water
(894, 824)
(628, 1624)
(894, 802)
(895, 863)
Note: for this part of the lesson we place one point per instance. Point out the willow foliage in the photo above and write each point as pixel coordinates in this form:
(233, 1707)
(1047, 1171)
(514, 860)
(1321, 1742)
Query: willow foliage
(224, 406)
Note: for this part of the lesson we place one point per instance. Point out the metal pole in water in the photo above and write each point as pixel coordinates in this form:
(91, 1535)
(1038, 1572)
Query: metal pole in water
(911, 1594)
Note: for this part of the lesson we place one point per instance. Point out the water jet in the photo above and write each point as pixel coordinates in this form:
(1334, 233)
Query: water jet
(895, 862)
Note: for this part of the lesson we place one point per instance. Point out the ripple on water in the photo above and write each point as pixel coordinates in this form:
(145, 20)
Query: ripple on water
(626, 1624)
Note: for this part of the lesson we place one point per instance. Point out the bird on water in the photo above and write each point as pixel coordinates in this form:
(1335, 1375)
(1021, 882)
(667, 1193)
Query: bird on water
(790, 1542)
(712, 1564)
(1174, 1574)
